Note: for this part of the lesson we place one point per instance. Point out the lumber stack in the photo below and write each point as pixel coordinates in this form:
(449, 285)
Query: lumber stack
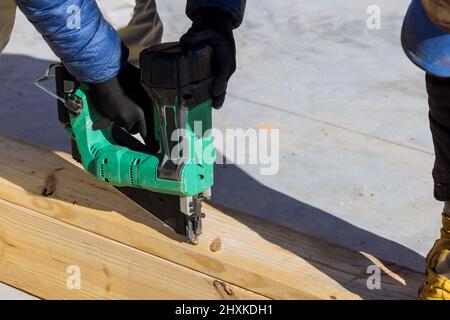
(54, 216)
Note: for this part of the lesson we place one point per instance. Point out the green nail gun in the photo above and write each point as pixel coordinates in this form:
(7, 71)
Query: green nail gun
(171, 177)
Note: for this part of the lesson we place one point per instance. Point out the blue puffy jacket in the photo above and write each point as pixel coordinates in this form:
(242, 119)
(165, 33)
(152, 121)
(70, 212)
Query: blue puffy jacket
(92, 51)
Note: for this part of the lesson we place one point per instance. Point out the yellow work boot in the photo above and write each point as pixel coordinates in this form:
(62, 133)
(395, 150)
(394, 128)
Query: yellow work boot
(438, 266)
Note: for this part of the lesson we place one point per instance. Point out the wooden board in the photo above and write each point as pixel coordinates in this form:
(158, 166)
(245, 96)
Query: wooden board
(261, 257)
(54, 260)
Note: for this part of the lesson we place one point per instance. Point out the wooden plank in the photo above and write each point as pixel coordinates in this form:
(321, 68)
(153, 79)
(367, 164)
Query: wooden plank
(262, 257)
(41, 255)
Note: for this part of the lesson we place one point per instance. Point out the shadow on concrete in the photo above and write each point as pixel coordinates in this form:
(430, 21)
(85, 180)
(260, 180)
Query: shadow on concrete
(236, 189)
(31, 115)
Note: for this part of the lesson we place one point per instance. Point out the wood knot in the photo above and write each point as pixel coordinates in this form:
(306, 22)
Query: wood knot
(49, 185)
(223, 288)
(216, 245)
(106, 271)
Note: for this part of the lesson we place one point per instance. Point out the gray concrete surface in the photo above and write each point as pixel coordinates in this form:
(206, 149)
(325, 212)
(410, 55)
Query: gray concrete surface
(356, 152)
(10, 293)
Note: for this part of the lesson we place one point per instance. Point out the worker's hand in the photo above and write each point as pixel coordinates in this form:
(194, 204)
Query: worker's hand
(122, 99)
(213, 27)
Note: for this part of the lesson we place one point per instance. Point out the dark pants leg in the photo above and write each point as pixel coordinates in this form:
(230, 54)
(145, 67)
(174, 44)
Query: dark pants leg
(439, 101)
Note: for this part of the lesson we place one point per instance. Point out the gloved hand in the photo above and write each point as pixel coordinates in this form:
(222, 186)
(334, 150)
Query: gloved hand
(213, 27)
(121, 100)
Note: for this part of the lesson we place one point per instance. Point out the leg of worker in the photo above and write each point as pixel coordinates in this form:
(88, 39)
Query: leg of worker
(7, 17)
(137, 22)
(439, 101)
(144, 30)
(438, 260)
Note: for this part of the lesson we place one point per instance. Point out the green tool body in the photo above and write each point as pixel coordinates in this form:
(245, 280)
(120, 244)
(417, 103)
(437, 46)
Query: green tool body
(179, 166)
(120, 166)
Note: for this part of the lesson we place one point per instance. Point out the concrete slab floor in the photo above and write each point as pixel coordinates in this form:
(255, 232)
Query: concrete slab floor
(356, 152)
(10, 293)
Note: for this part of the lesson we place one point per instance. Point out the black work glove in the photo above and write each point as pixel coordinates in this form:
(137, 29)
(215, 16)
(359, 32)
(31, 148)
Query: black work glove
(213, 27)
(121, 100)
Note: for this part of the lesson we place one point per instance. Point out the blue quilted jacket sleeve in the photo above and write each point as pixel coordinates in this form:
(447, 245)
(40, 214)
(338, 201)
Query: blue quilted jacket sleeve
(79, 35)
(235, 7)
